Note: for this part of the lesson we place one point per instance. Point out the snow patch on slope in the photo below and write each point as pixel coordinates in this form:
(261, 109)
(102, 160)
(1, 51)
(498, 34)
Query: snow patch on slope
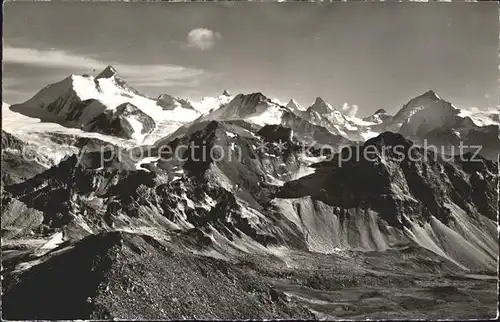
(270, 115)
(208, 104)
(482, 117)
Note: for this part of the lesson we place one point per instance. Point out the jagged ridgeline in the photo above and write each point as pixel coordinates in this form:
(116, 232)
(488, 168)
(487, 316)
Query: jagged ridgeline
(258, 196)
(142, 207)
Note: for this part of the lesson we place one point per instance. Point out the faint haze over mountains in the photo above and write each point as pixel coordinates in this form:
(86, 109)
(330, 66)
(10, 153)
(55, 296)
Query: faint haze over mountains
(374, 55)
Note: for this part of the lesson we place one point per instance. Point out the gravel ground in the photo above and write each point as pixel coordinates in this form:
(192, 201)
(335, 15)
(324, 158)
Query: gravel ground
(129, 276)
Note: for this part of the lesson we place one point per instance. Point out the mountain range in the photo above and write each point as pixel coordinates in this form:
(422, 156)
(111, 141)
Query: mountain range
(239, 207)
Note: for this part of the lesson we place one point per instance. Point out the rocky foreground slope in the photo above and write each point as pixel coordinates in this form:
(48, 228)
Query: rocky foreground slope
(130, 276)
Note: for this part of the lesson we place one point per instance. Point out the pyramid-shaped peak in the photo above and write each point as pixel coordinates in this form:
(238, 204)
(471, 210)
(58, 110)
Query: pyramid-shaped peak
(320, 106)
(292, 104)
(430, 94)
(108, 72)
(428, 97)
(319, 101)
(226, 93)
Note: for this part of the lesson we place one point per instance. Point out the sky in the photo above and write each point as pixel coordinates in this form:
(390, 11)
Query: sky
(374, 55)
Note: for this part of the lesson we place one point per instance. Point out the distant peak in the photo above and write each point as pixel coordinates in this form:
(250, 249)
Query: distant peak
(320, 106)
(431, 94)
(380, 111)
(292, 104)
(319, 101)
(423, 99)
(108, 72)
(258, 96)
(226, 93)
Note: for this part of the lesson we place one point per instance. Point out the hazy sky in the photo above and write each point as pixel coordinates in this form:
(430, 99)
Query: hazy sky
(375, 55)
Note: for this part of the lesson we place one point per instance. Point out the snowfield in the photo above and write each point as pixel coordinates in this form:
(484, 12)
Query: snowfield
(208, 104)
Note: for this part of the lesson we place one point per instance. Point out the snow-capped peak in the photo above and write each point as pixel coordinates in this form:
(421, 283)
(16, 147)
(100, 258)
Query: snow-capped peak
(209, 103)
(321, 106)
(423, 101)
(320, 101)
(108, 72)
(78, 100)
(254, 108)
(226, 93)
(293, 105)
(431, 95)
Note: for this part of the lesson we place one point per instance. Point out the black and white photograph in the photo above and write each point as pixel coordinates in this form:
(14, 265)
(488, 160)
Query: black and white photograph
(234, 160)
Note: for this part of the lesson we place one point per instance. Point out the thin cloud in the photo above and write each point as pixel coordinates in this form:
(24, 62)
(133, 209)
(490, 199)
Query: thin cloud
(47, 58)
(155, 75)
(202, 38)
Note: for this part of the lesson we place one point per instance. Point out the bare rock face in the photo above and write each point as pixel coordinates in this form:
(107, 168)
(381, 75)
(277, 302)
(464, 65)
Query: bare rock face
(403, 179)
(309, 132)
(127, 121)
(11, 142)
(19, 160)
(111, 73)
(103, 274)
(168, 102)
(276, 133)
(432, 121)
(17, 219)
